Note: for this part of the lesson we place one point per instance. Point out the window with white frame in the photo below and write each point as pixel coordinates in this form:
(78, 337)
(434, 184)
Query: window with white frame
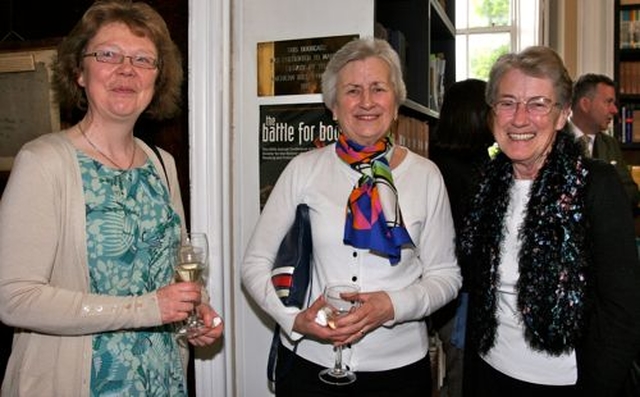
(486, 29)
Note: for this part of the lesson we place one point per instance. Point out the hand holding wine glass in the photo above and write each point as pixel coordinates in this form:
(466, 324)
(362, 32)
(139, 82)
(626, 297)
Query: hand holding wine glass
(191, 265)
(338, 304)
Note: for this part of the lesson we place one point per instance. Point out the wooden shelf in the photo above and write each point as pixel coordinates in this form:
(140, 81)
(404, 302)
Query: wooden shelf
(419, 109)
(629, 2)
(629, 54)
(629, 98)
(442, 24)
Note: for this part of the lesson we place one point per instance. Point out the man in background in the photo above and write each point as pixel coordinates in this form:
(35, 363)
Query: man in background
(593, 107)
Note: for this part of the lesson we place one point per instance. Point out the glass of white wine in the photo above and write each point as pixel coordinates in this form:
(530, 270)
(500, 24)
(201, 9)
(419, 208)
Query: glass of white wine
(191, 264)
(337, 297)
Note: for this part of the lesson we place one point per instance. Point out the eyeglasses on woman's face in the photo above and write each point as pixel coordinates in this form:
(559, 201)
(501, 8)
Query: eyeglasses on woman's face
(535, 106)
(117, 58)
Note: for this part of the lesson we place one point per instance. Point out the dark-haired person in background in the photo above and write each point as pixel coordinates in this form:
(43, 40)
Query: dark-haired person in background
(459, 147)
(593, 107)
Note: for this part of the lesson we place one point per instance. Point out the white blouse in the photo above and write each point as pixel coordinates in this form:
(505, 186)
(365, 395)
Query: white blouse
(511, 354)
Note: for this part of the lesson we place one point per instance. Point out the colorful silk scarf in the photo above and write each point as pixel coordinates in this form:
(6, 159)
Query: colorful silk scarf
(373, 219)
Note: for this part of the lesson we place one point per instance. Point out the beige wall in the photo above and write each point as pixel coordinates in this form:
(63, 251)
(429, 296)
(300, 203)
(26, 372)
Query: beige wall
(570, 32)
(582, 33)
(571, 35)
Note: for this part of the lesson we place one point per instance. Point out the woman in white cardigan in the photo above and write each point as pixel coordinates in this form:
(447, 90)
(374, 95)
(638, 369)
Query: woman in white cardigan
(404, 264)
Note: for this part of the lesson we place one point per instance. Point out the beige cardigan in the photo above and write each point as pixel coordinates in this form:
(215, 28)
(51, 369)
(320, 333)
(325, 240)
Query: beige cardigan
(44, 273)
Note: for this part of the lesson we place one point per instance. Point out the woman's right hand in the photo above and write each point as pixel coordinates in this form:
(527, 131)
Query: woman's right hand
(306, 323)
(177, 300)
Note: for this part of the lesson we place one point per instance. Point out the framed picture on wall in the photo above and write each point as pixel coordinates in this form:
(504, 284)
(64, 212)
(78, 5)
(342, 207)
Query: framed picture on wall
(27, 105)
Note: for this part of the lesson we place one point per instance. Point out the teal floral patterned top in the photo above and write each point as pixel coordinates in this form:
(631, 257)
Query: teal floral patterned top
(131, 228)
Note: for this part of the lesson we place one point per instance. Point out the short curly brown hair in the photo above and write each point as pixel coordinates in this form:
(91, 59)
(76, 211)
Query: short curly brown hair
(144, 21)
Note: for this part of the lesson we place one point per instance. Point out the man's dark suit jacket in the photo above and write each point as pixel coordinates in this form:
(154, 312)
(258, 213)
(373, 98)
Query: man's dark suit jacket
(612, 336)
(607, 148)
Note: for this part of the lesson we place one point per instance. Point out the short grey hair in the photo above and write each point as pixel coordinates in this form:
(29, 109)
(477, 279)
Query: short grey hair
(534, 61)
(357, 50)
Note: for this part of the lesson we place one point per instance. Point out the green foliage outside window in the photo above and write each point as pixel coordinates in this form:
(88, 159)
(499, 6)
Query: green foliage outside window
(480, 65)
(496, 11)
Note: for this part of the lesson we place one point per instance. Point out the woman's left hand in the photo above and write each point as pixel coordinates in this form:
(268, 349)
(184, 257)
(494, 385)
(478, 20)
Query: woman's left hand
(375, 309)
(212, 331)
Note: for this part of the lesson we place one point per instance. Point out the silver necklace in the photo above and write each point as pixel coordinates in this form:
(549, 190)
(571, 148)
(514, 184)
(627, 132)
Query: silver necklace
(100, 152)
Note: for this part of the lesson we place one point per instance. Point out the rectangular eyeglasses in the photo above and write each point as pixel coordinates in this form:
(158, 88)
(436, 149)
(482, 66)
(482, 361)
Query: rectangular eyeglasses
(117, 58)
(536, 106)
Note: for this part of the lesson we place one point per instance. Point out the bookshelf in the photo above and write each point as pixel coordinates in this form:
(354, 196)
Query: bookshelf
(627, 76)
(423, 34)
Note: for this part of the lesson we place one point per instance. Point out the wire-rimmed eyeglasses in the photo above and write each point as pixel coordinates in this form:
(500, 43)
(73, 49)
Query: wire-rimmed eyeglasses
(116, 58)
(536, 106)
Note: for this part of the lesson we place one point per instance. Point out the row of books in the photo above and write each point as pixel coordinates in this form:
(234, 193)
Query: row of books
(411, 133)
(437, 64)
(630, 28)
(629, 80)
(629, 131)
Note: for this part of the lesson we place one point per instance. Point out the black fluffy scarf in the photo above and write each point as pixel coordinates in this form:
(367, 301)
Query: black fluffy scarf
(552, 259)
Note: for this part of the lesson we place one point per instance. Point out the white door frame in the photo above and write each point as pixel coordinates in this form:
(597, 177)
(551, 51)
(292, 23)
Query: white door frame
(208, 77)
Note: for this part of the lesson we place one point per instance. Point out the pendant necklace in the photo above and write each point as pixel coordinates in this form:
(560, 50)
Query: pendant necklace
(100, 152)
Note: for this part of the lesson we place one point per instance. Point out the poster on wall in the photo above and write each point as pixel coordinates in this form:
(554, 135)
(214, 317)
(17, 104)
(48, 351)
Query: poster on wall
(286, 131)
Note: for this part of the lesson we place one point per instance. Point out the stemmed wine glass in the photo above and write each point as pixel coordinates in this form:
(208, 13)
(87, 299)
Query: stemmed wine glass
(191, 264)
(338, 304)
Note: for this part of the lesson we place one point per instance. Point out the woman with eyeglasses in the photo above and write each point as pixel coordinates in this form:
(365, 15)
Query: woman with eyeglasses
(89, 221)
(554, 278)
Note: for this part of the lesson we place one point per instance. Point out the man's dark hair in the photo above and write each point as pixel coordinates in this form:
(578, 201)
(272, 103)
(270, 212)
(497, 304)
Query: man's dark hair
(586, 85)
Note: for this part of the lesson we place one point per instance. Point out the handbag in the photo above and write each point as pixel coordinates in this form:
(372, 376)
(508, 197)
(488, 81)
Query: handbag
(291, 274)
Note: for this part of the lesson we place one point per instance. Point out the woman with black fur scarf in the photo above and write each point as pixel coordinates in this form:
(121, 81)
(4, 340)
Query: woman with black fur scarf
(548, 249)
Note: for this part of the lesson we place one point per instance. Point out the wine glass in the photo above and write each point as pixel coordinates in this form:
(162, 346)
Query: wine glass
(191, 264)
(338, 304)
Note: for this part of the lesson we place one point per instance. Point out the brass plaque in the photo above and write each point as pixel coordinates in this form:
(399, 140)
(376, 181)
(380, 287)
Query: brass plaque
(293, 67)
